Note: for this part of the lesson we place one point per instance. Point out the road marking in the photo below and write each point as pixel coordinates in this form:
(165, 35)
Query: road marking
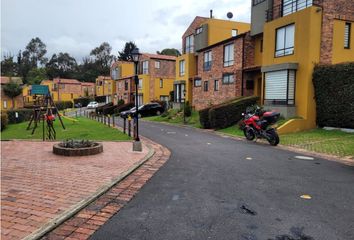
(175, 197)
(305, 196)
(171, 132)
(248, 158)
(208, 143)
(161, 129)
(186, 135)
(304, 158)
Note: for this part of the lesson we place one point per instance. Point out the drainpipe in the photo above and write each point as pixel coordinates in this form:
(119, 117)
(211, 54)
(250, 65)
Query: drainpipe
(242, 65)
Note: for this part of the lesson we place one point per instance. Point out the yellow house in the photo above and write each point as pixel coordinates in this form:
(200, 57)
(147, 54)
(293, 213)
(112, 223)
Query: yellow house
(201, 33)
(122, 73)
(6, 101)
(63, 89)
(293, 40)
(105, 87)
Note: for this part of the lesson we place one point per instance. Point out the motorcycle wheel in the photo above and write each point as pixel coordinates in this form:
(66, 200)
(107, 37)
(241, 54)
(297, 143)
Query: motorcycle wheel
(273, 138)
(249, 133)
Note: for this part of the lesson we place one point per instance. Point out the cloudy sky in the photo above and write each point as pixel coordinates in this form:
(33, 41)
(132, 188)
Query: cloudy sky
(78, 26)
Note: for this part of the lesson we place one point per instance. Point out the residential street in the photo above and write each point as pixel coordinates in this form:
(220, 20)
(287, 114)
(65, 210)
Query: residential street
(218, 188)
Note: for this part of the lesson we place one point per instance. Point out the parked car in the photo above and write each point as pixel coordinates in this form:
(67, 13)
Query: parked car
(150, 109)
(77, 105)
(92, 105)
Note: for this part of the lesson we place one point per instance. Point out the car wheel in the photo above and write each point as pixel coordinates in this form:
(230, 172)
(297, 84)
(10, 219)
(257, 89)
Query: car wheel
(158, 113)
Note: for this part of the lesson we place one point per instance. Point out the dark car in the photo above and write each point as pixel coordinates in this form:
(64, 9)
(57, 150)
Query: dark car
(150, 109)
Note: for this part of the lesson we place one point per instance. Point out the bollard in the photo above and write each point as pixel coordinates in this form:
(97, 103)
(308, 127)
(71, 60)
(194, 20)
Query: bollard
(104, 119)
(129, 127)
(113, 121)
(109, 121)
(124, 125)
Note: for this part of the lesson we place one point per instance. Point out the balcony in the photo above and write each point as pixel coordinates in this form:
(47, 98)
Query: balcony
(289, 7)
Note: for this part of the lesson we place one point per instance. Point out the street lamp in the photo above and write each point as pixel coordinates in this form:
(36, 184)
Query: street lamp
(135, 56)
(184, 106)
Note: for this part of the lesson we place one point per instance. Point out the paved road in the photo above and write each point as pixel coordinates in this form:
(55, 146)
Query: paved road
(219, 188)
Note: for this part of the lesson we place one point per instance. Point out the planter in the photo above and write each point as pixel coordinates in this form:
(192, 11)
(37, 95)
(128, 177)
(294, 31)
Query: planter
(85, 151)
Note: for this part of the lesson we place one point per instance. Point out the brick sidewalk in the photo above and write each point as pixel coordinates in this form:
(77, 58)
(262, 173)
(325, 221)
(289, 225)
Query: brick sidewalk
(89, 219)
(38, 186)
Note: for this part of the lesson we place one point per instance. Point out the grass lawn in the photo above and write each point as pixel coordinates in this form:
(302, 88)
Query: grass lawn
(176, 117)
(83, 128)
(233, 130)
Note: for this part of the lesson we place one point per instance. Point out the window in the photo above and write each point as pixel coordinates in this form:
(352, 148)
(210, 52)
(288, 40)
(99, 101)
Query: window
(197, 82)
(72, 95)
(216, 85)
(189, 44)
(55, 87)
(347, 30)
(199, 30)
(234, 32)
(285, 41)
(126, 85)
(229, 55)
(256, 2)
(145, 67)
(228, 78)
(206, 86)
(140, 86)
(182, 65)
(280, 87)
(179, 92)
(115, 73)
(207, 61)
(291, 6)
(164, 98)
(161, 83)
(5, 104)
(250, 84)
(157, 64)
(261, 45)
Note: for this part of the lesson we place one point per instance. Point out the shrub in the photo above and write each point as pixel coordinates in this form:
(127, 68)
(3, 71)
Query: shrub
(23, 115)
(123, 107)
(99, 110)
(61, 105)
(84, 101)
(225, 114)
(334, 88)
(162, 103)
(100, 99)
(187, 109)
(120, 102)
(4, 120)
(109, 110)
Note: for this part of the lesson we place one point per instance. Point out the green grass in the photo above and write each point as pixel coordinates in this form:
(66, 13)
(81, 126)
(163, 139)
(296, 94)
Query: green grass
(176, 117)
(233, 130)
(82, 129)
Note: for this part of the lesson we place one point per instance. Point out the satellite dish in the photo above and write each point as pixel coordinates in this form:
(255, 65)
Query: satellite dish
(229, 15)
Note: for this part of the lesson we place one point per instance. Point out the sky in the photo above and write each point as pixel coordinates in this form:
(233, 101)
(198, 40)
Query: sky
(78, 26)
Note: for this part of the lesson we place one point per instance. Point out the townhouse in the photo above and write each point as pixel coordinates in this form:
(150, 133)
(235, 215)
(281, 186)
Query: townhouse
(6, 101)
(105, 87)
(201, 34)
(87, 89)
(156, 75)
(63, 89)
(293, 36)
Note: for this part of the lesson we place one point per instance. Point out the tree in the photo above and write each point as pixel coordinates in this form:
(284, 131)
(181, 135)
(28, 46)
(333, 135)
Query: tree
(12, 90)
(36, 75)
(23, 65)
(61, 65)
(125, 55)
(8, 66)
(87, 71)
(35, 51)
(103, 58)
(170, 52)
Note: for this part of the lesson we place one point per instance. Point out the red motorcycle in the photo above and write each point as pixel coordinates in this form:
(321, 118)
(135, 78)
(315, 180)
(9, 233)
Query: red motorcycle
(257, 124)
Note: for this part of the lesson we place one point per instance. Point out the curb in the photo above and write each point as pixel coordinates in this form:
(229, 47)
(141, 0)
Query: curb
(82, 204)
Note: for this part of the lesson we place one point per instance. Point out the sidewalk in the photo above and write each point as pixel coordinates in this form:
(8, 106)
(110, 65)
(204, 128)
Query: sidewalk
(40, 189)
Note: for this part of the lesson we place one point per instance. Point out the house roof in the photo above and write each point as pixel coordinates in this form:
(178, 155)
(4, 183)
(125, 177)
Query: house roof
(5, 80)
(118, 62)
(87, 84)
(104, 78)
(198, 20)
(159, 56)
(66, 81)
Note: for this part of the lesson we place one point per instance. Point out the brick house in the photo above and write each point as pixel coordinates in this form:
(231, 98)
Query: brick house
(6, 101)
(125, 89)
(64, 89)
(87, 89)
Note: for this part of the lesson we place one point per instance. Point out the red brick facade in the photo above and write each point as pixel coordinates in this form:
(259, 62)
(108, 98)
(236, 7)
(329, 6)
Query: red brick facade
(202, 97)
(125, 88)
(191, 30)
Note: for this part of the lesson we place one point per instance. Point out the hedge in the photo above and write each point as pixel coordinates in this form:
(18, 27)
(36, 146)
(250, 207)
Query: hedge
(100, 99)
(61, 105)
(123, 107)
(4, 120)
(24, 114)
(226, 114)
(334, 95)
(84, 101)
(99, 110)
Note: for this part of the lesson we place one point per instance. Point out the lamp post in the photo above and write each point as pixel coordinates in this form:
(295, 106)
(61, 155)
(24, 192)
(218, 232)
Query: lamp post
(136, 144)
(184, 106)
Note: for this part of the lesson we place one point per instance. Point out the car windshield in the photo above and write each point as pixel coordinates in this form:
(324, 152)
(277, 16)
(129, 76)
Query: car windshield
(132, 109)
(141, 107)
(92, 103)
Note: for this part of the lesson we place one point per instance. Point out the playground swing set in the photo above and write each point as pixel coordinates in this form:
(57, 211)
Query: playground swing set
(44, 109)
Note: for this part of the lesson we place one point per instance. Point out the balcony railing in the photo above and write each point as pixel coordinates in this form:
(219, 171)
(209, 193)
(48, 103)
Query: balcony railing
(289, 7)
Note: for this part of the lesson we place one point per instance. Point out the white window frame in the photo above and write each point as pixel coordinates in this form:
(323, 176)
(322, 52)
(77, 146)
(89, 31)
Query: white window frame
(199, 30)
(189, 44)
(228, 78)
(157, 64)
(146, 67)
(347, 33)
(161, 83)
(140, 85)
(182, 67)
(208, 59)
(229, 55)
(197, 82)
(280, 87)
(285, 40)
(5, 104)
(234, 32)
(216, 85)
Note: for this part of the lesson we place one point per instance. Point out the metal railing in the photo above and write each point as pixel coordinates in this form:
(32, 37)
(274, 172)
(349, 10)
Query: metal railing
(290, 7)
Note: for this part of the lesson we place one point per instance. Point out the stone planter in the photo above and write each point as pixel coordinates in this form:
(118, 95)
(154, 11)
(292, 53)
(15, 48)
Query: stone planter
(71, 152)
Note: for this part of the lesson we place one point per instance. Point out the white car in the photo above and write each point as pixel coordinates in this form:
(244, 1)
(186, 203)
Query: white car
(92, 105)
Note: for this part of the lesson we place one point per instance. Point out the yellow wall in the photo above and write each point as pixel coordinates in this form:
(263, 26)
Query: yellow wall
(127, 69)
(306, 54)
(190, 71)
(107, 88)
(165, 90)
(145, 90)
(219, 30)
(258, 55)
(341, 54)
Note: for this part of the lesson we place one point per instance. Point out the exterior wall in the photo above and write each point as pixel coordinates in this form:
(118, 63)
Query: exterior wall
(26, 93)
(191, 30)
(332, 10)
(87, 90)
(105, 86)
(145, 89)
(18, 101)
(306, 54)
(203, 99)
(165, 90)
(258, 16)
(339, 53)
(190, 72)
(258, 51)
(121, 92)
